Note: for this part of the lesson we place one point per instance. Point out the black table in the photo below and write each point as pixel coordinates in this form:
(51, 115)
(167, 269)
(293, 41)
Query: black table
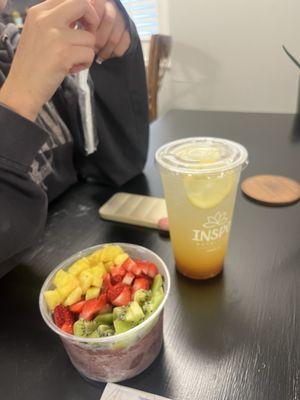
(234, 337)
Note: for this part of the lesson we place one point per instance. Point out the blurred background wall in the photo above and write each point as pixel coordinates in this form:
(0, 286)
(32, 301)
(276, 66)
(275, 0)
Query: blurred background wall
(227, 55)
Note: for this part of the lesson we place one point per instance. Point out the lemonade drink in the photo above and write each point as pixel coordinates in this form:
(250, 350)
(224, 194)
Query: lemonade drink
(200, 178)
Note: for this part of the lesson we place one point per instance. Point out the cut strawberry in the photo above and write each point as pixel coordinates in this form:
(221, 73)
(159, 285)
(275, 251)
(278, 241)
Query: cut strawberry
(148, 268)
(129, 264)
(142, 263)
(124, 297)
(117, 279)
(117, 271)
(114, 291)
(146, 277)
(59, 315)
(128, 278)
(93, 306)
(63, 318)
(152, 270)
(106, 283)
(137, 270)
(69, 317)
(117, 274)
(67, 328)
(77, 307)
(141, 283)
(107, 309)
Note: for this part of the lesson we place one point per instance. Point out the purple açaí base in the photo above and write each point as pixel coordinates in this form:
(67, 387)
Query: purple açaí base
(115, 365)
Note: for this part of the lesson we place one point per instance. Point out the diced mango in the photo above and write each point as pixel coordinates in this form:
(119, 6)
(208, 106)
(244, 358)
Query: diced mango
(86, 279)
(109, 253)
(52, 298)
(79, 266)
(120, 259)
(62, 278)
(65, 290)
(92, 293)
(73, 297)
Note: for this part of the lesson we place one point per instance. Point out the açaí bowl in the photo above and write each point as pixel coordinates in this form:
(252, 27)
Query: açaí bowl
(119, 357)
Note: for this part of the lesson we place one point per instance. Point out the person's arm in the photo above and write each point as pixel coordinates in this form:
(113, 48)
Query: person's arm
(121, 112)
(30, 84)
(23, 204)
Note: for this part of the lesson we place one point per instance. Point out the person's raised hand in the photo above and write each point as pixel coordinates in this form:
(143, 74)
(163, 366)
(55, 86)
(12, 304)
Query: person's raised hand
(49, 49)
(112, 36)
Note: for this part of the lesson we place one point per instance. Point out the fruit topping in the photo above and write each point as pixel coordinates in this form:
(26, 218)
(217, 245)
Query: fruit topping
(104, 294)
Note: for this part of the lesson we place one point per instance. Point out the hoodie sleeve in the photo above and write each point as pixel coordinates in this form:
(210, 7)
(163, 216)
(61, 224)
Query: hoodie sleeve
(121, 114)
(23, 204)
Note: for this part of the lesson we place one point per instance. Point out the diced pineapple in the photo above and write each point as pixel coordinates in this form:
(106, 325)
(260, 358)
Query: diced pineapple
(108, 265)
(95, 257)
(92, 293)
(62, 278)
(85, 279)
(52, 298)
(79, 266)
(99, 270)
(65, 290)
(120, 259)
(73, 297)
(97, 281)
(109, 253)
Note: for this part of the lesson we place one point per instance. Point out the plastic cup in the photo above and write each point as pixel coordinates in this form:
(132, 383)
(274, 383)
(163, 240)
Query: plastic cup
(119, 357)
(200, 179)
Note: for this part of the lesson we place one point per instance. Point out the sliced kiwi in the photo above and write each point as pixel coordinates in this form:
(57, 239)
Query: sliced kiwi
(122, 326)
(141, 296)
(106, 319)
(105, 330)
(84, 328)
(90, 326)
(79, 328)
(134, 312)
(157, 283)
(94, 335)
(152, 305)
(119, 313)
(102, 331)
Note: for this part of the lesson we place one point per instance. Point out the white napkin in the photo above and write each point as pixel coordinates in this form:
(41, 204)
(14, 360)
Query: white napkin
(117, 392)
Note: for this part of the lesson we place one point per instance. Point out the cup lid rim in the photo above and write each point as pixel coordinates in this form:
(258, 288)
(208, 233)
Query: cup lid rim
(167, 158)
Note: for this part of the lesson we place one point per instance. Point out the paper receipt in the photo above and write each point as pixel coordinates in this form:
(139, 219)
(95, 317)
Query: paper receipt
(117, 392)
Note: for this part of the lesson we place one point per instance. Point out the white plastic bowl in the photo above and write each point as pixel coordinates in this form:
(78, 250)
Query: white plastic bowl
(119, 357)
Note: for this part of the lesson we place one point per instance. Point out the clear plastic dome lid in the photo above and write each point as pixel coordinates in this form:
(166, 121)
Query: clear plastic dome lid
(201, 155)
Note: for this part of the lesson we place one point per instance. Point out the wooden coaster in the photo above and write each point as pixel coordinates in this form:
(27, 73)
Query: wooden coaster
(272, 190)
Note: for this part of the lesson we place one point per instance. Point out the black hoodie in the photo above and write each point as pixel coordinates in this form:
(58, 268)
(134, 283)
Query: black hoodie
(121, 114)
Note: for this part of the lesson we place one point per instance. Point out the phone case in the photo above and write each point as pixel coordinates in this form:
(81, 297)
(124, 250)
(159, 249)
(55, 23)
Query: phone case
(134, 209)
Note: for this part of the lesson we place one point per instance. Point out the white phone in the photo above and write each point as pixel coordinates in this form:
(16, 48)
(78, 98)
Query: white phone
(135, 209)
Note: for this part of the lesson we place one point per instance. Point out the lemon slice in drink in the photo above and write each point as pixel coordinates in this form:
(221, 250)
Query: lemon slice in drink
(207, 192)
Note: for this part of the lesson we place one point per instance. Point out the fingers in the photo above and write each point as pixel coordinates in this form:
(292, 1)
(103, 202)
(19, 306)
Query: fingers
(107, 25)
(123, 45)
(69, 11)
(99, 6)
(81, 59)
(77, 68)
(114, 38)
(79, 37)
